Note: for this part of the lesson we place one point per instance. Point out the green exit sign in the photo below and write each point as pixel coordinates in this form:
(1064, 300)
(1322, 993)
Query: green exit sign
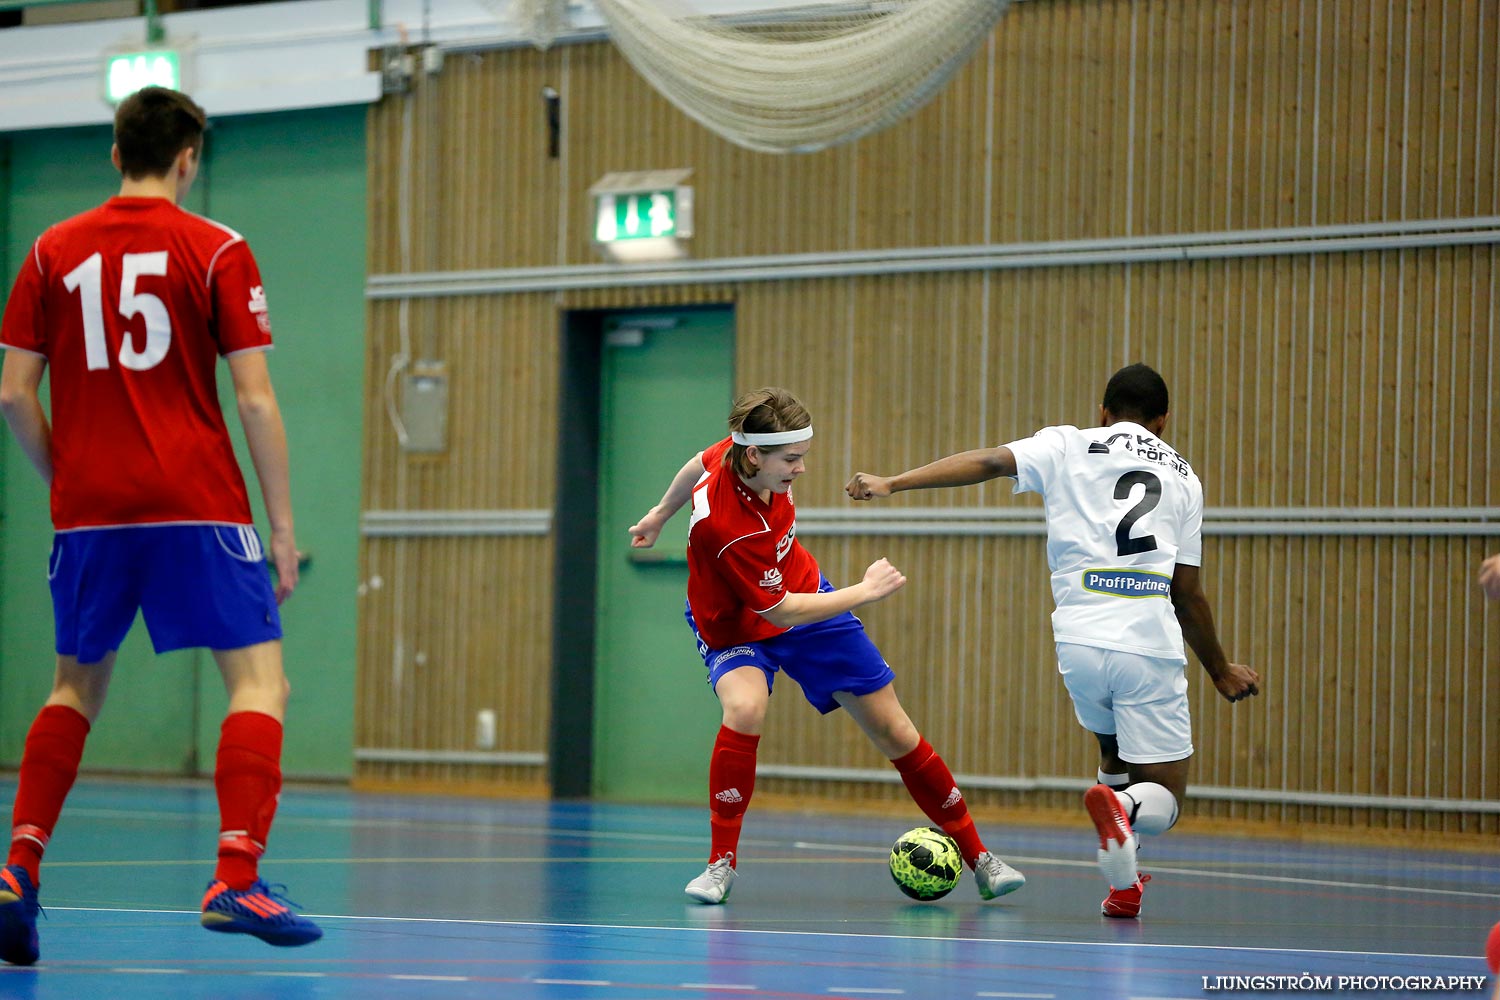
(127, 72)
(644, 215)
(635, 215)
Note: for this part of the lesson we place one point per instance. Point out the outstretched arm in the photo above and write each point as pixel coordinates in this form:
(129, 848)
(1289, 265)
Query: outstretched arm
(963, 469)
(880, 581)
(1234, 680)
(1489, 577)
(644, 533)
(21, 402)
(264, 432)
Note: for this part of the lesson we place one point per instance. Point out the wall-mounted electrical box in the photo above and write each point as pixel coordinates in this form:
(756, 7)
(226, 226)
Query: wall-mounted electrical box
(424, 406)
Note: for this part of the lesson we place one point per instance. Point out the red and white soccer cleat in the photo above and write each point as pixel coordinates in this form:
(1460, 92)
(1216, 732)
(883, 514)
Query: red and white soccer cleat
(1125, 902)
(1117, 841)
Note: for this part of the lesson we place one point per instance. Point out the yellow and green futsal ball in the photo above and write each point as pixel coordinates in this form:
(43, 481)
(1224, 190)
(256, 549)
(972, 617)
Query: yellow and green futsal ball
(925, 863)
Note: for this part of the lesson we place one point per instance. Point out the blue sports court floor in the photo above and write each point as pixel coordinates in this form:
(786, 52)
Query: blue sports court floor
(444, 899)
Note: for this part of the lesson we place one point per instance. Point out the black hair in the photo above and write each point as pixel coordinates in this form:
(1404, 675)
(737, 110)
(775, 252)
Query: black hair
(1136, 392)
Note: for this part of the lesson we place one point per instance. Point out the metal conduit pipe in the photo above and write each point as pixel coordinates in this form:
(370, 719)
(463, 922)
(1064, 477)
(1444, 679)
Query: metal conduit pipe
(472, 523)
(1214, 792)
(480, 757)
(1305, 521)
(1362, 237)
(984, 521)
(1004, 783)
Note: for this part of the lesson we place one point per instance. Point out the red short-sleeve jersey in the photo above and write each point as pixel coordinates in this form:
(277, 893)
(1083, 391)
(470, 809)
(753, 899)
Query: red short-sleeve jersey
(743, 556)
(132, 303)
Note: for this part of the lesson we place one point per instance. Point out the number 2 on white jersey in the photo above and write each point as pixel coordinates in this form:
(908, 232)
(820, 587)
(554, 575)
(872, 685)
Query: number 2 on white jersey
(1127, 544)
(88, 280)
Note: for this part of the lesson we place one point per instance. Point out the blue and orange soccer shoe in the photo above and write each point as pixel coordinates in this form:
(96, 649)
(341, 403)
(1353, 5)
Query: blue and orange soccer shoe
(259, 910)
(18, 910)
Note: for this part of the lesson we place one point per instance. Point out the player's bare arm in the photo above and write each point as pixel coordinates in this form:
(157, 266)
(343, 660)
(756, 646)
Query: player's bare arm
(1233, 680)
(264, 432)
(963, 469)
(880, 581)
(21, 402)
(645, 532)
(1489, 577)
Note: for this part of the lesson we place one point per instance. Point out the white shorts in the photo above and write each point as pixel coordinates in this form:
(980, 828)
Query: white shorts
(1140, 700)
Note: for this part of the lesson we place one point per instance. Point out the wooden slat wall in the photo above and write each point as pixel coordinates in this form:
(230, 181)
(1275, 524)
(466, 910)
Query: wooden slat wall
(1357, 379)
(1353, 380)
(1101, 118)
(446, 633)
(1297, 402)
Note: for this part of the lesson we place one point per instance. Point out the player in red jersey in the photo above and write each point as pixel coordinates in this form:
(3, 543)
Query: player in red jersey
(131, 305)
(757, 604)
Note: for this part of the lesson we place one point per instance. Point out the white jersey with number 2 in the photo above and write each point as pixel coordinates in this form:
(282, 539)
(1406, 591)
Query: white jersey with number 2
(1123, 510)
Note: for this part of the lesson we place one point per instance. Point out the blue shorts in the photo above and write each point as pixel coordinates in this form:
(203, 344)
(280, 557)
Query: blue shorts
(823, 657)
(196, 584)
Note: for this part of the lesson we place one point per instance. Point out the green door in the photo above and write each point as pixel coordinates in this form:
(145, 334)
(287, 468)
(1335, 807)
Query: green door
(666, 384)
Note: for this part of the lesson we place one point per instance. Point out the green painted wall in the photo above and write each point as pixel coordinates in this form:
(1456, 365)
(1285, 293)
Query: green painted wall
(294, 185)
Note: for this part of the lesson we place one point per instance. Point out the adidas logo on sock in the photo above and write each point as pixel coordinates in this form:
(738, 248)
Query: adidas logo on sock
(953, 799)
(729, 796)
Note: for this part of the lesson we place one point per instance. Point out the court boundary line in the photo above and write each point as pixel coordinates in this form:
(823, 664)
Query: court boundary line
(1293, 880)
(1048, 942)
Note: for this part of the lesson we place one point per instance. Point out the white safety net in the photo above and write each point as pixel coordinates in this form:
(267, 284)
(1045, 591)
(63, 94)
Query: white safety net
(788, 79)
(804, 79)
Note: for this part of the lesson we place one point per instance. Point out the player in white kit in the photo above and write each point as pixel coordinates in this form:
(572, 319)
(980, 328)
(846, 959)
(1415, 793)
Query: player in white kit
(1124, 543)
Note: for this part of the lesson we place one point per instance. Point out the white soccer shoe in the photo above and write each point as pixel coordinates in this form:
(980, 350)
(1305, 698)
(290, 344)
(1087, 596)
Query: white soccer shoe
(714, 884)
(1117, 841)
(994, 877)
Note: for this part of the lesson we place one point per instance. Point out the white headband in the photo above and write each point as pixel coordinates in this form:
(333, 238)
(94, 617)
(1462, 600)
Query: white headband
(773, 438)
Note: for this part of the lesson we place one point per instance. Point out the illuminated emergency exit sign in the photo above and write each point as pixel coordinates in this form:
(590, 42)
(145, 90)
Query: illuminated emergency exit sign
(644, 215)
(635, 215)
(127, 72)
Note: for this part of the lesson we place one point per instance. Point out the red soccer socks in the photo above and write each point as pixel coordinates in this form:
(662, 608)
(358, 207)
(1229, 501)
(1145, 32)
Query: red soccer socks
(932, 787)
(247, 777)
(49, 767)
(731, 780)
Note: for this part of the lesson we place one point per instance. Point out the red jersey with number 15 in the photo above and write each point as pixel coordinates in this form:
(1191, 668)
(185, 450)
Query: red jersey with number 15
(132, 305)
(743, 556)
